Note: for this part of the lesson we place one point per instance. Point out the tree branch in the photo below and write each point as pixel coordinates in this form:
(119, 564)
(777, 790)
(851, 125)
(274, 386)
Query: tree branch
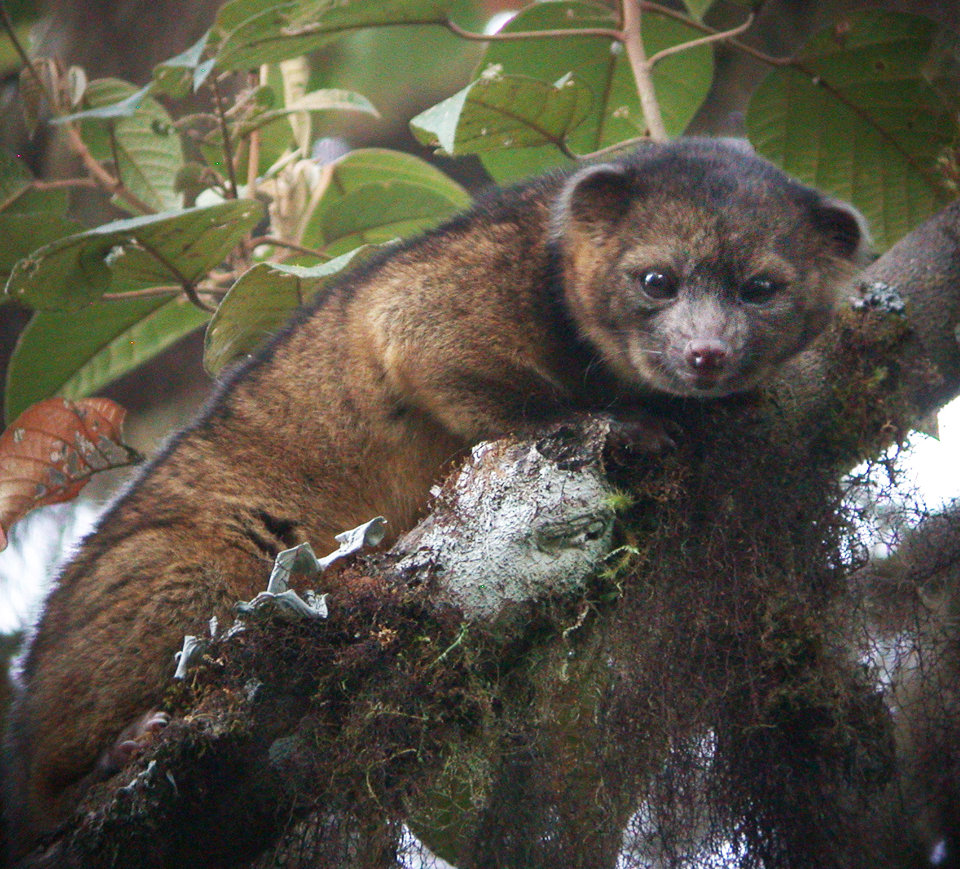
(545, 509)
(642, 68)
(721, 625)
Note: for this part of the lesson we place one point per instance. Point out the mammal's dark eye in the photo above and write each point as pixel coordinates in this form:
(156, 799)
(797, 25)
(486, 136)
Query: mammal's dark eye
(658, 284)
(759, 289)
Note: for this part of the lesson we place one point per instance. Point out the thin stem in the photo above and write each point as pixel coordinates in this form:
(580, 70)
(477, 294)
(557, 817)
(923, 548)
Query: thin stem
(613, 149)
(703, 40)
(142, 294)
(253, 144)
(99, 175)
(768, 59)
(48, 185)
(187, 286)
(453, 27)
(228, 155)
(103, 178)
(94, 169)
(253, 162)
(121, 189)
(21, 51)
(190, 291)
(780, 62)
(641, 68)
(599, 32)
(60, 183)
(279, 242)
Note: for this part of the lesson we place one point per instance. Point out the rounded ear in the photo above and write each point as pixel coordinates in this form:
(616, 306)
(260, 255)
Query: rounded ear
(846, 227)
(591, 200)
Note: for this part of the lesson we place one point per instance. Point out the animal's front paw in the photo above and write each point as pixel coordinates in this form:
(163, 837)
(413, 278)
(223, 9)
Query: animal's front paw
(131, 741)
(642, 432)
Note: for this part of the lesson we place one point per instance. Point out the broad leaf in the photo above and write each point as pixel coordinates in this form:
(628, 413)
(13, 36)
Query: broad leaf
(178, 76)
(504, 111)
(15, 177)
(93, 347)
(376, 195)
(697, 8)
(124, 108)
(125, 126)
(50, 452)
(326, 100)
(28, 218)
(860, 120)
(600, 65)
(261, 301)
(249, 33)
(161, 250)
(24, 233)
(18, 197)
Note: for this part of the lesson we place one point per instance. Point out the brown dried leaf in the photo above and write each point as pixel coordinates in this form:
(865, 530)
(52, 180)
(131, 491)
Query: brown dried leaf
(52, 449)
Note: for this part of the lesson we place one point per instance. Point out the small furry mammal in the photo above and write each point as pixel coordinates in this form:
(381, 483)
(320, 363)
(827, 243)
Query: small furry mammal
(693, 268)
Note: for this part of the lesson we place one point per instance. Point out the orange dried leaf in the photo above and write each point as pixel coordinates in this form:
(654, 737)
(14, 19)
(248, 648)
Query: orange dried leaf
(52, 449)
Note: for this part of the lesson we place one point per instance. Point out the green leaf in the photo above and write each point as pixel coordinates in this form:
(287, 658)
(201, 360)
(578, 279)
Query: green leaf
(861, 122)
(681, 81)
(504, 111)
(182, 74)
(326, 100)
(126, 126)
(15, 177)
(10, 60)
(697, 8)
(124, 108)
(375, 196)
(18, 197)
(76, 354)
(158, 250)
(262, 300)
(248, 33)
(23, 233)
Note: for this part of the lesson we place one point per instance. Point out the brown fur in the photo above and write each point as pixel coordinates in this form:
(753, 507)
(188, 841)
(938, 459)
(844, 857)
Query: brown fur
(521, 311)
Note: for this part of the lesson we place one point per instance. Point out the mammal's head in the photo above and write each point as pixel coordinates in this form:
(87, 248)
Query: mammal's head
(697, 268)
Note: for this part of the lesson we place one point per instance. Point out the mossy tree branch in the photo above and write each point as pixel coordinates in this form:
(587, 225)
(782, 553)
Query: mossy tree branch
(354, 717)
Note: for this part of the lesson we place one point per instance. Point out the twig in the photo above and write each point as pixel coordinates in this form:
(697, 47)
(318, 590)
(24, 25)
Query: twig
(188, 287)
(100, 175)
(768, 59)
(172, 290)
(719, 36)
(47, 185)
(253, 162)
(112, 185)
(453, 27)
(22, 53)
(613, 149)
(60, 183)
(641, 67)
(253, 145)
(228, 155)
(115, 151)
(279, 242)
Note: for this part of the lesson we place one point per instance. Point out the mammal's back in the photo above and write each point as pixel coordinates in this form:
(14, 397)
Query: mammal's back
(584, 293)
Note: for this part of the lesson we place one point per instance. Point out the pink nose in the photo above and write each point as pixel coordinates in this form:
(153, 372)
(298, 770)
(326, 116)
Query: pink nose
(706, 355)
